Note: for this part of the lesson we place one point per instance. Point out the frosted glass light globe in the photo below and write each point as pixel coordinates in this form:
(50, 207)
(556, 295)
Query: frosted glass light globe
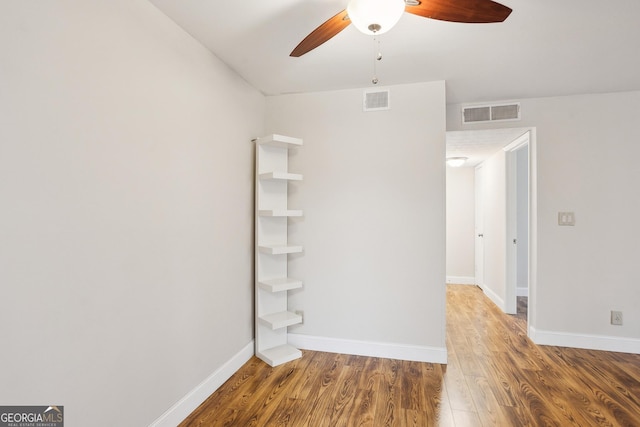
(456, 162)
(375, 16)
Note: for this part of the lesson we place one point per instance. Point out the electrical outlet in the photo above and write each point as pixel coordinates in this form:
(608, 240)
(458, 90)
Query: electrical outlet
(616, 318)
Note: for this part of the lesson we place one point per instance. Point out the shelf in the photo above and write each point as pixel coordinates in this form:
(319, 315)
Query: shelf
(281, 176)
(280, 354)
(280, 284)
(271, 209)
(281, 319)
(280, 212)
(281, 141)
(279, 249)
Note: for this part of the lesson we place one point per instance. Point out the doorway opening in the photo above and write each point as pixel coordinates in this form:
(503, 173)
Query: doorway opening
(502, 203)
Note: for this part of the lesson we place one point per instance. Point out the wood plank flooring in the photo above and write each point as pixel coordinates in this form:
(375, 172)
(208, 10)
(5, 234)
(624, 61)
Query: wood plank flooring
(495, 376)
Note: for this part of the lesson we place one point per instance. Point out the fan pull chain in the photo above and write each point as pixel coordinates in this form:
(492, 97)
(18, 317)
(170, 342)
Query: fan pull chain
(377, 56)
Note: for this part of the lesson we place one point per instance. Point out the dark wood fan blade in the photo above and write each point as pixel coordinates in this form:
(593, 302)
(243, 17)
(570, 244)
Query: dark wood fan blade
(323, 33)
(471, 11)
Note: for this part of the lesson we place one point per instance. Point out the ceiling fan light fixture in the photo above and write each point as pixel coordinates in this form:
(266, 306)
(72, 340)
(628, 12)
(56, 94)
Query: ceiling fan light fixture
(456, 162)
(374, 17)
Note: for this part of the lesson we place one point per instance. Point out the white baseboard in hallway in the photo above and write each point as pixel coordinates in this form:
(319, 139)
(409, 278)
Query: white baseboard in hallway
(497, 300)
(461, 280)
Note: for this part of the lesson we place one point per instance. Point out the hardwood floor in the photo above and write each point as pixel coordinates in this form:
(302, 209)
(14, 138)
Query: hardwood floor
(495, 376)
(522, 309)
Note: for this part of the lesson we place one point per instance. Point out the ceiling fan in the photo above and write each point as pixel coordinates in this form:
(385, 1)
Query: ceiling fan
(389, 12)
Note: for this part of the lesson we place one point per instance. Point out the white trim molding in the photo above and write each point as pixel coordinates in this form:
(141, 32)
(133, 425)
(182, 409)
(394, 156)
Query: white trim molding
(370, 349)
(522, 291)
(494, 297)
(461, 280)
(519, 142)
(185, 406)
(586, 341)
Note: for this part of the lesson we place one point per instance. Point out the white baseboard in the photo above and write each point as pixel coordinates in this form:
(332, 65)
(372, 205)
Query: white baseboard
(461, 280)
(590, 342)
(522, 291)
(370, 349)
(494, 297)
(185, 406)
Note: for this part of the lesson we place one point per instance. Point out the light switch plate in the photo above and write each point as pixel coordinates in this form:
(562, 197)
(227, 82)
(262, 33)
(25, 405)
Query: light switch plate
(566, 218)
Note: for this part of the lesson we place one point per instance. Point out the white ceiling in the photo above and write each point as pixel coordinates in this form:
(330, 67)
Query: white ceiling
(477, 145)
(544, 48)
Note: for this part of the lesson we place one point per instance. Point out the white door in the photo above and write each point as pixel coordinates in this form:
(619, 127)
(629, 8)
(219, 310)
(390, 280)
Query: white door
(517, 220)
(479, 228)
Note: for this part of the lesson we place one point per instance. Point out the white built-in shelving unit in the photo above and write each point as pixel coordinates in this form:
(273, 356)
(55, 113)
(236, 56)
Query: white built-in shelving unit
(273, 249)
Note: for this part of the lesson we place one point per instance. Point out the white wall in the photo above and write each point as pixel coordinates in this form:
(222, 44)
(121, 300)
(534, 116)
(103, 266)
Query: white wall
(126, 205)
(460, 225)
(586, 150)
(373, 197)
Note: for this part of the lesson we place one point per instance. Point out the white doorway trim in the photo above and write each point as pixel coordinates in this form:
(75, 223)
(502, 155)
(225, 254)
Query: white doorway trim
(533, 233)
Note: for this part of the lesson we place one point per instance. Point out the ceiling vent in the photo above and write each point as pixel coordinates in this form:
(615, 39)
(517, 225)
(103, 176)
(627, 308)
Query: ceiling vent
(491, 113)
(376, 100)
